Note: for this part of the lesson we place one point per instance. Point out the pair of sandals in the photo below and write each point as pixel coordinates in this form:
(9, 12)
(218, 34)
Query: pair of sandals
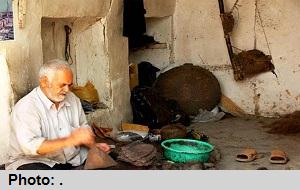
(249, 154)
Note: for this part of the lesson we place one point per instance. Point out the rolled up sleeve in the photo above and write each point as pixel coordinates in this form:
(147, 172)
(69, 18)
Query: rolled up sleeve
(27, 128)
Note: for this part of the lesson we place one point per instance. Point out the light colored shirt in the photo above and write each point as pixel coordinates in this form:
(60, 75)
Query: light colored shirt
(35, 119)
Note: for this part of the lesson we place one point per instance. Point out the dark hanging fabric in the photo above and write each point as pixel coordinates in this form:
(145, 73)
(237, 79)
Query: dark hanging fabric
(150, 109)
(134, 23)
(147, 73)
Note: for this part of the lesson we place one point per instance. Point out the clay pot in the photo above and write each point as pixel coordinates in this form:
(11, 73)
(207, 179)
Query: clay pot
(173, 131)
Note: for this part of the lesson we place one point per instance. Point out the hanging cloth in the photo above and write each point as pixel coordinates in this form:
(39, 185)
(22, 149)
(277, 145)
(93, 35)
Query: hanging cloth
(134, 23)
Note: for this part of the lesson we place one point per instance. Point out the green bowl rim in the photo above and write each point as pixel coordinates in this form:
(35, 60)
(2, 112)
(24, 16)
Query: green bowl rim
(189, 140)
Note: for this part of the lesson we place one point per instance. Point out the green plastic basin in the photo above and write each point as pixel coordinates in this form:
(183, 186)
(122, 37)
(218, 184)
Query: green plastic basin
(186, 150)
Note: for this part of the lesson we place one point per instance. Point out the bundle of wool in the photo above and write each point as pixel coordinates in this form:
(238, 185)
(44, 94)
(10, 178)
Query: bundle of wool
(287, 125)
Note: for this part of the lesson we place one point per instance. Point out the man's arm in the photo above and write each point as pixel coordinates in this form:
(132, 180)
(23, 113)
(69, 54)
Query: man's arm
(80, 136)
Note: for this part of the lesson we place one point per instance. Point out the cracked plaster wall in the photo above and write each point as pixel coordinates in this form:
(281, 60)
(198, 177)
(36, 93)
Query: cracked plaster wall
(198, 38)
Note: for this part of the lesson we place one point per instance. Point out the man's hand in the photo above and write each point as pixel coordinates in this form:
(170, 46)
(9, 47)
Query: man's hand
(103, 146)
(82, 136)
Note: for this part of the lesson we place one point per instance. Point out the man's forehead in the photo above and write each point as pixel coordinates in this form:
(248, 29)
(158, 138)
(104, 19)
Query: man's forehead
(64, 72)
(63, 75)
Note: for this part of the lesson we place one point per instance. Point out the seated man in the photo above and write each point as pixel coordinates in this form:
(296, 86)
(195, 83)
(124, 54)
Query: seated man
(49, 127)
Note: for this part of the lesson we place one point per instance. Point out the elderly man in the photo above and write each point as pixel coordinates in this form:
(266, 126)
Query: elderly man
(49, 128)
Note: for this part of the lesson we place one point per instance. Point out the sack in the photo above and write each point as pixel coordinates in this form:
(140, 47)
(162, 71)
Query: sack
(96, 159)
(87, 93)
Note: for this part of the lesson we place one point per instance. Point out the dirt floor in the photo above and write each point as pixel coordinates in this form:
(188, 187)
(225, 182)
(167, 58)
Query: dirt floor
(231, 135)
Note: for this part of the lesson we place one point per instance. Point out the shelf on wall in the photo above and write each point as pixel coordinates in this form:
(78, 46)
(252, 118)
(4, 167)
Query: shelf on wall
(151, 46)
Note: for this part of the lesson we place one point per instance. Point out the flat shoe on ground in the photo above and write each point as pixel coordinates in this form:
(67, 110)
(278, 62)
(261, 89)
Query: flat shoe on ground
(278, 157)
(246, 155)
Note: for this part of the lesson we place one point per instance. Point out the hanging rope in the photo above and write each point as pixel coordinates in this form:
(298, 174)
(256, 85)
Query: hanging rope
(68, 56)
(257, 14)
(262, 26)
(234, 6)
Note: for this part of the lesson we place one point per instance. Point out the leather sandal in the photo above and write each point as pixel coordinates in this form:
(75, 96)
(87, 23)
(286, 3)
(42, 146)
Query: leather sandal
(278, 157)
(246, 155)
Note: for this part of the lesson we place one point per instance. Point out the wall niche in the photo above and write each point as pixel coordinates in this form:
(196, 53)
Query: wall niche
(87, 52)
(159, 25)
(158, 53)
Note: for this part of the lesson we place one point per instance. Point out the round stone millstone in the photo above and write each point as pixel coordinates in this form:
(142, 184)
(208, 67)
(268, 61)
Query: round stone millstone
(193, 87)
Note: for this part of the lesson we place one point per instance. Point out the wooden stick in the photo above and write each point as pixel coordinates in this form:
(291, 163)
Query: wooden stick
(236, 68)
(221, 6)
